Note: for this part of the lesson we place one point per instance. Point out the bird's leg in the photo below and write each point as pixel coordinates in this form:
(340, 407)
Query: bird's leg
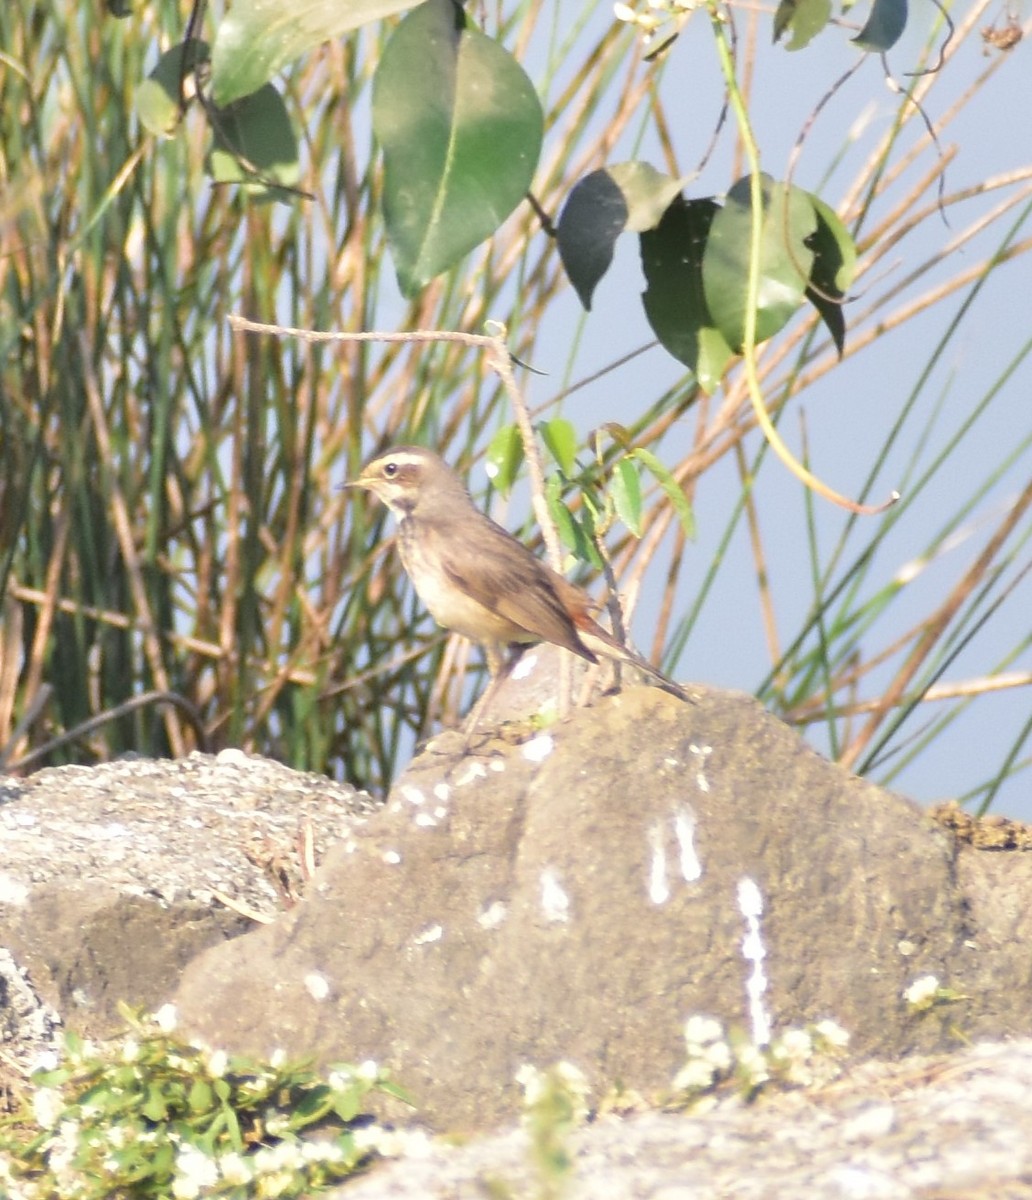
(499, 668)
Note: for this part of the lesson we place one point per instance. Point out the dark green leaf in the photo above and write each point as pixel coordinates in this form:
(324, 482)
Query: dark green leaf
(258, 37)
(560, 438)
(629, 195)
(834, 267)
(789, 222)
(626, 492)
(157, 97)
(504, 457)
(593, 217)
(674, 300)
(884, 26)
(255, 143)
(671, 488)
(460, 126)
(805, 18)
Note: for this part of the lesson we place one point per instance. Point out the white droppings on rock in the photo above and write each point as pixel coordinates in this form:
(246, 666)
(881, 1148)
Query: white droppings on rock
(525, 667)
(440, 812)
(555, 903)
(492, 916)
(474, 770)
(391, 857)
(411, 793)
(316, 985)
(684, 830)
(432, 933)
(702, 753)
(750, 905)
(539, 748)
(658, 886)
(442, 792)
(425, 820)
(498, 765)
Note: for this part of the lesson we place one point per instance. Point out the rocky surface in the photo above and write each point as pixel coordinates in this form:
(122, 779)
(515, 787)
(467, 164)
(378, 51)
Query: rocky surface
(579, 895)
(572, 896)
(113, 877)
(952, 1127)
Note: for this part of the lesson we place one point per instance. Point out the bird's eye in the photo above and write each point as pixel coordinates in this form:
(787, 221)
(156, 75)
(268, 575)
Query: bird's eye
(390, 469)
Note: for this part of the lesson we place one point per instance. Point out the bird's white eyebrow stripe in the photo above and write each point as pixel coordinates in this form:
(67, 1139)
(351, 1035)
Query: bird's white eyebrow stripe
(402, 460)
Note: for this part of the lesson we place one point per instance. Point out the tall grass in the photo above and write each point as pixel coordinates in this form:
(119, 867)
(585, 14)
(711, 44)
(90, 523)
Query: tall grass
(170, 514)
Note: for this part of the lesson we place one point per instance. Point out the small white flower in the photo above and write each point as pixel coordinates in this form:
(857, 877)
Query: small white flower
(700, 1031)
(195, 1173)
(321, 1152)
(368, 1070)
(832, 1034)
(47, 1106)
(234, 1169)
(533, 1083)
(695, 1076)
(718, 1055)
(277, 1124)
(166, 1018)
(130, 1050)
(795, 1044)
(218, 1060)
(753, 1063)
(922, 991)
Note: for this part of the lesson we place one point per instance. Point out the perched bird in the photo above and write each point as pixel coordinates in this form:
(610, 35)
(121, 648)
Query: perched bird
(476, 578)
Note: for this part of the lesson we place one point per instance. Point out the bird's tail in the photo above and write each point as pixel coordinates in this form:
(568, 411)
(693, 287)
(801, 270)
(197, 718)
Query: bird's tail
(600, 642)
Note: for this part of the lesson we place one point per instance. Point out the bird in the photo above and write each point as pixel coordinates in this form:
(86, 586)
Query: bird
(479, 581)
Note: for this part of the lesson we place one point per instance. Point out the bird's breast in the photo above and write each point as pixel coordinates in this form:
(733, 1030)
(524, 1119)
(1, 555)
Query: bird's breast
(449, 603)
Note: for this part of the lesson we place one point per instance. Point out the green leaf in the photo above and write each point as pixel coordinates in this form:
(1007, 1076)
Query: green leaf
(625, 489)
(157, 97)
(884, 26)
(805, 18)
(671, 488)
(504, 458)
(629, 195)
(200, 1096)
(255, 144)
(571, 532)
(560, 438)
(834, 268)
(154, 1107)
(460, 126)
(674, 299)
(258, 37)
(789, 222)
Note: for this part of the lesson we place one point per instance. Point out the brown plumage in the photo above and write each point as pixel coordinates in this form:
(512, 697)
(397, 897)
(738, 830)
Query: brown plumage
(475, 577)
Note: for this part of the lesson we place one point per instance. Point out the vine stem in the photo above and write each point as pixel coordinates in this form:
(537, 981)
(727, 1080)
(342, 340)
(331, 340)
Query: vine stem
(749, 363)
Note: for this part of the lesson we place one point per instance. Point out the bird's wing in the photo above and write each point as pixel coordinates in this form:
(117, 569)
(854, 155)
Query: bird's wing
(517, 586)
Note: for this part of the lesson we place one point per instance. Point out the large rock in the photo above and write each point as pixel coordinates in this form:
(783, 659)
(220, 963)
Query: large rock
(113, 877)
(578, 896)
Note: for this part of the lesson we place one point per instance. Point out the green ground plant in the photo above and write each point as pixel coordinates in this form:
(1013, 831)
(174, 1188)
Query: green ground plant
(150, 1114)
